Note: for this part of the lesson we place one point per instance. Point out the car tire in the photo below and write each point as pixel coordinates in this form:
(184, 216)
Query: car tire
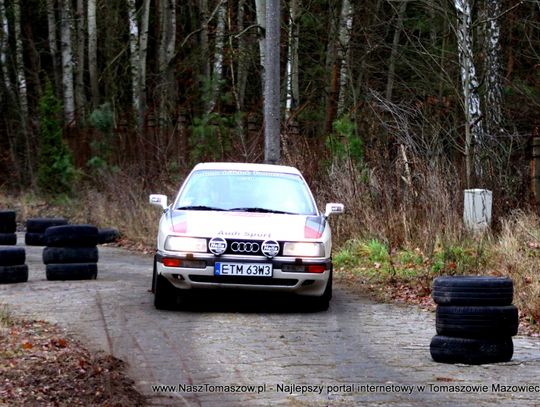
(14, 274)
(471, 351)
(476, 322)
(62, 255)
(322, 303)
(165, 294)
(8, 239)
(34, 239)
(108, 235)
(154, 276)
(71, 271)
(12, 256)
(71, 236)
(472, 290)
(40, 225)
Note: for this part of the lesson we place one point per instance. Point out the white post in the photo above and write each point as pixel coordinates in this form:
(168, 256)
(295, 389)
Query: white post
(477, 209)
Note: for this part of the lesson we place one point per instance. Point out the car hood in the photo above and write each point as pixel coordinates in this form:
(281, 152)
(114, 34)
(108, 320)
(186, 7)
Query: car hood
(242, 225)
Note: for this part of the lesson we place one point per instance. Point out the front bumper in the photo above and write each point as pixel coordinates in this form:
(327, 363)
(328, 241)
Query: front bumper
(282, 280)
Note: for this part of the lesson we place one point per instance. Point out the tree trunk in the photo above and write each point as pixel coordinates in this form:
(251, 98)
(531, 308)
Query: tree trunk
(260, 8)
(217, 71)
(134, 55)
(167, 18)
(492, 69)
(345, 27)
(471, 99)
(241, 71)
(92, 53)
(80, 97)
(394, 53)
(67, 63)
(272, 150)
(143, 51)
(292, 89)
(53, 45)
(204, 53)
(4, 50)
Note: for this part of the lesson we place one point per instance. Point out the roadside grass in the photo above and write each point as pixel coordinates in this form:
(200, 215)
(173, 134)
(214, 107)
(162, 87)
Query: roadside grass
(406, 274)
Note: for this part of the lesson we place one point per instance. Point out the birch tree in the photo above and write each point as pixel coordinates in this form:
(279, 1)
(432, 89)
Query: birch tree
(260, 8)
(217, 69)
(471, 98)
(4, 48)
(166, 52)
(492, 69)
(53, 45)
(92, 52)
(292, 89)
(272, 149)
(80, 97)
(134, 54)
(19, 67)
(345, 27)
(67, 63)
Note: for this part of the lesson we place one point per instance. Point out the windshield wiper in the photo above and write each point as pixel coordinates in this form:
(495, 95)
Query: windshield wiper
(199, 208)
(260, 210)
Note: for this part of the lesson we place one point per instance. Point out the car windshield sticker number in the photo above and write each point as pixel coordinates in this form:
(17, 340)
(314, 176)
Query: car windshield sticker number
(243, 269)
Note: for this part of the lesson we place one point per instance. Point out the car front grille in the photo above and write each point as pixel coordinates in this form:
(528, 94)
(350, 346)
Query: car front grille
(288, 282)
(247, 247)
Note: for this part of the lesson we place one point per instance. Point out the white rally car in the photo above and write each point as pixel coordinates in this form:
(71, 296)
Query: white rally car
(243, 226)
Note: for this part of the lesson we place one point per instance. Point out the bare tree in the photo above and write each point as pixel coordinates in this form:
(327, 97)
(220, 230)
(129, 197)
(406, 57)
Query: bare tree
(292, 87)
(260, 6)
(272, 149)
(4, 48)
(217, 69)
(80, 97)
(67, 62)
(394, 53)
(492, 69)
(471, 99)
(92, 52)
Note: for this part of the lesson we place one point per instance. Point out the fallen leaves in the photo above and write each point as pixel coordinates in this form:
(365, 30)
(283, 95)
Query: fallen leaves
(41, 365)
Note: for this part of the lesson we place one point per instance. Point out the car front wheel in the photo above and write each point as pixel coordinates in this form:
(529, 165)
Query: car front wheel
(164, 294)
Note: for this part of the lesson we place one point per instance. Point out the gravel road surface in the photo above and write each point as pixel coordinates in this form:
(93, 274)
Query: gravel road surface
(260, 351)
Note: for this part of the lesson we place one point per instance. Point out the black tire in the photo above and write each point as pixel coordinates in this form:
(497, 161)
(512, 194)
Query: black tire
(166, 296)
(71, 271)
(8, 226)
(472, 290)
(13, 274)
(12, 256)
(445, 349)
(7, 216)
(34, 239)
(477, 322)
(108, 235)
(71, 236)
(154, 275)
(63, 255)
(40, 225)
(322, 303)
(8, 239)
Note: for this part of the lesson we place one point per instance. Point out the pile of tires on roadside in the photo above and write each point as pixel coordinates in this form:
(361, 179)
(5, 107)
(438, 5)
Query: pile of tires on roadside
(475, 320)
(12, 259)
(70, 251)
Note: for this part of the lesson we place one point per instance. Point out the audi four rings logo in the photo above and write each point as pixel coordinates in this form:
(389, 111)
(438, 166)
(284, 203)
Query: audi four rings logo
(217, 245)
(270, 248)
(245, 247)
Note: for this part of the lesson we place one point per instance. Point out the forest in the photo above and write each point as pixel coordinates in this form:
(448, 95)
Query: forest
(390, 106)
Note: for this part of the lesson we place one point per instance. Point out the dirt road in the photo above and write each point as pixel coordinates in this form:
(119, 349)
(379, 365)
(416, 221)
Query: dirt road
(359, 352)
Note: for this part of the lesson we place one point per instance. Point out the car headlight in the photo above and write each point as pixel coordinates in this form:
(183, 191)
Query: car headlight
(303, 249)
(185, 244)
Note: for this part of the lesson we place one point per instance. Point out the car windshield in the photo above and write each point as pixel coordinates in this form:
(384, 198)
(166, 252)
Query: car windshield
(251, 191)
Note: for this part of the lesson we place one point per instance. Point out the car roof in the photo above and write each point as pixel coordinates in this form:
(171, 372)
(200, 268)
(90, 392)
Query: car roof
(247, 167)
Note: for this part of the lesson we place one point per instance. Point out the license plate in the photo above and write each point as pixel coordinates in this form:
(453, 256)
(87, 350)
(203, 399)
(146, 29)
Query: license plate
(243, 269)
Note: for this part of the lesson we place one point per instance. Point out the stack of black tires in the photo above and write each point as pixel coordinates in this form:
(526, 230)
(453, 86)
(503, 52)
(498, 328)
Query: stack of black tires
(71, 252)
(475, 320)
(8, 226)
(12, 265)
(36, 227)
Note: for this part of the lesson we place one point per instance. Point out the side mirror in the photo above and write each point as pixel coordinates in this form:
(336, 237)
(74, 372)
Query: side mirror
(333, 208)
(159, 200)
